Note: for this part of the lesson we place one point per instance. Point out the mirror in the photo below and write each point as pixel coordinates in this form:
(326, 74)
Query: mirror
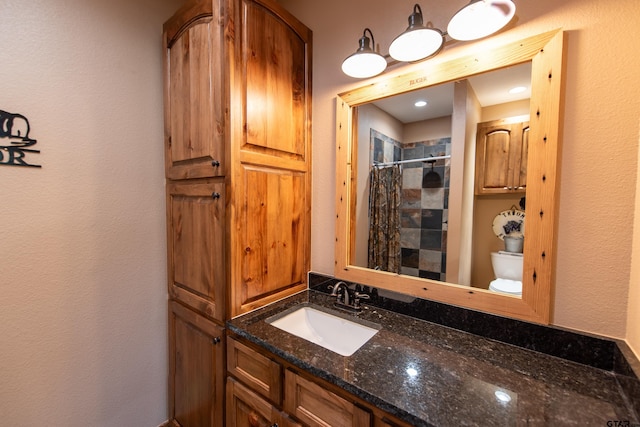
(545, 54)
(418, 138)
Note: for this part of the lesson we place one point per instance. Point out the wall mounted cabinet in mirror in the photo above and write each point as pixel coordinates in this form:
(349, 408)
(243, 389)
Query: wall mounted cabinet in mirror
(439, 161)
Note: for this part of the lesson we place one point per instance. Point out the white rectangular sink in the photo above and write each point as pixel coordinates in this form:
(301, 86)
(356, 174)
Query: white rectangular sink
(321, 327)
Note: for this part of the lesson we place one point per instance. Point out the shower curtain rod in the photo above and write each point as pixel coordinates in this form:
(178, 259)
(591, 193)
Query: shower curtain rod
(424, 159)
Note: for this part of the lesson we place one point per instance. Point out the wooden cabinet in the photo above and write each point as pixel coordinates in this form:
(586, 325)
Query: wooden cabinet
(501, 156)
(238, 107)
(263, 390)
(237, 101)
(196, 369)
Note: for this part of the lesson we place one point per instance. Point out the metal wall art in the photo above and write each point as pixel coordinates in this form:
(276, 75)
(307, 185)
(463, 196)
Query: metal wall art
(14, 140)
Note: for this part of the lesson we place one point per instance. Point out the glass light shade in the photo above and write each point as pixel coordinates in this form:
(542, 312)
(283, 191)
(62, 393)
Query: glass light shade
(417, 44)
(480, 18)
(364, 64)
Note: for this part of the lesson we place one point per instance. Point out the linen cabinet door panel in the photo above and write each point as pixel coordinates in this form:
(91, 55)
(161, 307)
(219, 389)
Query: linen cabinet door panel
(276, 52)
(196, 244)
(272, 224)
(194, 115)
(196, 369)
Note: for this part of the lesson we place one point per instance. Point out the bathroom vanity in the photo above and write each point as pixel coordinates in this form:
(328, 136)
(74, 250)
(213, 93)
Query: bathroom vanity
(422, 373)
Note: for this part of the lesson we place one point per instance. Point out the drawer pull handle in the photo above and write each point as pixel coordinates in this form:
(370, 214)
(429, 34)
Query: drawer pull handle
(254, 420)
(215, 163)
(215, 195)
(216, 340)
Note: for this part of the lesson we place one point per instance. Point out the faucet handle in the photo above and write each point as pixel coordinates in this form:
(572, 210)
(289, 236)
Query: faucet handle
(357, 296)
(362, 296)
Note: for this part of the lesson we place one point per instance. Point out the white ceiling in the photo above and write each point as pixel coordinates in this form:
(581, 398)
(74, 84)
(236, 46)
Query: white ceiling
(491, 88)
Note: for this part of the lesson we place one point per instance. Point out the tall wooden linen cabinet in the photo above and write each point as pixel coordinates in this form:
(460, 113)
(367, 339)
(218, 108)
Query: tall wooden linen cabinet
(238, 178)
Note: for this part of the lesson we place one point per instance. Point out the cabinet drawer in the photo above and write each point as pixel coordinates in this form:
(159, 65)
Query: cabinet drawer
(245, 408)
(262, 374)
(315, 406)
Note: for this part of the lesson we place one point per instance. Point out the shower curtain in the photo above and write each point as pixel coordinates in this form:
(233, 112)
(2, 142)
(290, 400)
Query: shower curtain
(384, 218)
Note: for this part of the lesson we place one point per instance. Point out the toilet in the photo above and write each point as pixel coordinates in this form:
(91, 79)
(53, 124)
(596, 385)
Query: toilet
(507, 267)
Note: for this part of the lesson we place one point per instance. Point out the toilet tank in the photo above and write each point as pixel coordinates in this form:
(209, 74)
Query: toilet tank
(507, 265)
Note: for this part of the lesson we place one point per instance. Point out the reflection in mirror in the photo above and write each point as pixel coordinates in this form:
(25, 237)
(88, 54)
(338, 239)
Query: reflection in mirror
(412, 133)
(492, 162)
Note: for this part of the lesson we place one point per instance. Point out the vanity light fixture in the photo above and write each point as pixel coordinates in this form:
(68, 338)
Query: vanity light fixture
(480, 18)
(417, 42)
(366, 62)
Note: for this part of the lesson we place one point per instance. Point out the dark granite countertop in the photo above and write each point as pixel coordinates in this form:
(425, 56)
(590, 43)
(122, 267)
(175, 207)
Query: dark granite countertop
(433, 375)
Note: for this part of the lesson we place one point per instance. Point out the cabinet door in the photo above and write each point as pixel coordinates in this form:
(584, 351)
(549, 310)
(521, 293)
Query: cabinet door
(520, 175)
(501, 156)
(246, 409)
(315, 406)
(196, 369)
(193, 104)
(275, 52)
(270, 96)
(196, 244)
(272, 241)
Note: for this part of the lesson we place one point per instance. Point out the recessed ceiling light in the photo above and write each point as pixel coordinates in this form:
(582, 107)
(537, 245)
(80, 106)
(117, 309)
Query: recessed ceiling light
(412, 372)
(420, 103)
(502, 396)
(517, 89)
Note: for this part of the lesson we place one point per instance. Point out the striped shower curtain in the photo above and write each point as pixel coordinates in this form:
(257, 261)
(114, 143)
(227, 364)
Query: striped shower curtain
(384, 218)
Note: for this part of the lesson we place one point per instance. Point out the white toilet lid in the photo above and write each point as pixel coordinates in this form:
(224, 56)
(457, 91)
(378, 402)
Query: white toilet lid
(513, 287)
(517, 254)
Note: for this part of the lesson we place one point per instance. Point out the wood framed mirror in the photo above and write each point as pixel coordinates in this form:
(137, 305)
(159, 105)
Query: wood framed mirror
(545, 52)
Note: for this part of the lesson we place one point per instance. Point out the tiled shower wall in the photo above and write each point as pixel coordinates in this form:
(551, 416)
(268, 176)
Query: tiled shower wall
(423, 211)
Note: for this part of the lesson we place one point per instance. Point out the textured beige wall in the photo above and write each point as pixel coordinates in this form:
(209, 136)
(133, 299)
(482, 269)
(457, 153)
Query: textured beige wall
(599, 155)
(82, 247)
(633, 312)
